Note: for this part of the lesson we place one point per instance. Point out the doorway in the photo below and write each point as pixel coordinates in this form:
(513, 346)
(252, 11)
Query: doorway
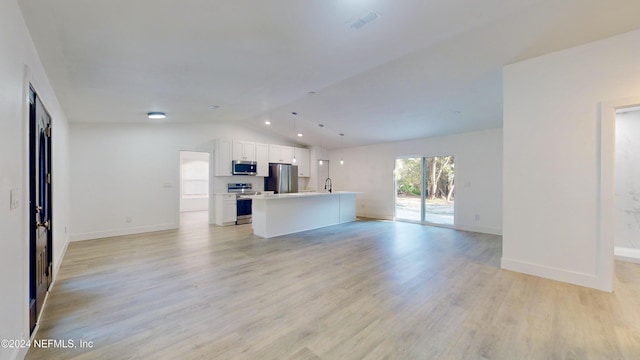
(627, 184)
(194, 187)
(40, 207)
(606, 203)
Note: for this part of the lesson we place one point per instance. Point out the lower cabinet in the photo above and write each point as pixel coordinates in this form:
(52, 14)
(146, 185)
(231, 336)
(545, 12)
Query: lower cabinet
(225, 205)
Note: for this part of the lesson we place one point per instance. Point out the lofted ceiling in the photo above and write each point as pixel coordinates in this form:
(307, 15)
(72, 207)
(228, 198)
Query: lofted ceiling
(422, 68)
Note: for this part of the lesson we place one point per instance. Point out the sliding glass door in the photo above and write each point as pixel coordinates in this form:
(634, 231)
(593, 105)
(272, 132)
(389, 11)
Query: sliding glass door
(440, 185)
(425, 189)
(409, 189)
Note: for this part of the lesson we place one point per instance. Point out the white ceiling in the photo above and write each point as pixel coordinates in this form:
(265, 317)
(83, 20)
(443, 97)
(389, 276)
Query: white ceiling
(424, 68)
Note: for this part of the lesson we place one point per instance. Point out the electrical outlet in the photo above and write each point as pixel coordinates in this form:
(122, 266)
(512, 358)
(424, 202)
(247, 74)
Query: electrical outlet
(128, 219)
(477, 217)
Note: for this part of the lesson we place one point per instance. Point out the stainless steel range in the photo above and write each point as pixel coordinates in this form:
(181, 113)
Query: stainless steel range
(243, 208)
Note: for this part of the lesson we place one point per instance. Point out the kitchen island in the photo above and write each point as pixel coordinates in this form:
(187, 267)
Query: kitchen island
(281, 214)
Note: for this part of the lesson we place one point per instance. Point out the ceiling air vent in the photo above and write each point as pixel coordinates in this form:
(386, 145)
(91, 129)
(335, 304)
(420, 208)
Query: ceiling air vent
(363, 20)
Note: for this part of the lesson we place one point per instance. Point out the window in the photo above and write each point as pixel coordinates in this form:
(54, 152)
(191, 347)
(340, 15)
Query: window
(195, 179)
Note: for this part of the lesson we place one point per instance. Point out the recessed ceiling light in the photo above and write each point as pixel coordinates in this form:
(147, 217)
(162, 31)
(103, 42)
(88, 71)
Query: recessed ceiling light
(214, 107)
(300, 134)
(311, 93)
(267, 122)
(156, 115)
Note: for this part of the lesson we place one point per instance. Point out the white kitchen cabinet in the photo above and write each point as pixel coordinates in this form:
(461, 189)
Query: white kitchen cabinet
(225, 209)
(302, 160)
(262, 158)
(274, 153)
(244, 150)
(286, 152)
(222, 157)
(280, 154)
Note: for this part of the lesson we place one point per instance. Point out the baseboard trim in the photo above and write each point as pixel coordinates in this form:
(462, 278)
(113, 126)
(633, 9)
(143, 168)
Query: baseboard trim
(626, 254)
(56, 268)
(374, 216)
(557, 274)
(121, 232)
(475, 229)
(479, 229)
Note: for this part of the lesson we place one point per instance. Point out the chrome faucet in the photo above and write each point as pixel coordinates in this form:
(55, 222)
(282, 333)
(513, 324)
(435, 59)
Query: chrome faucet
(327, 184)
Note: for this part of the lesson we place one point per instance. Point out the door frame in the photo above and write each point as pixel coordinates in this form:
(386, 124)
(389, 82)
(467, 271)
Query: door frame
(606, 206)
(27, 82)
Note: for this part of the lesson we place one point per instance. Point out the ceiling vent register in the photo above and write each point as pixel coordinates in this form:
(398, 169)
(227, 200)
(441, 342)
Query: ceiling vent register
(364, 20)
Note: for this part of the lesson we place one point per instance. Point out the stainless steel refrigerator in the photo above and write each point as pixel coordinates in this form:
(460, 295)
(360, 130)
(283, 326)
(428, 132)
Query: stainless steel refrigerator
(283, 178)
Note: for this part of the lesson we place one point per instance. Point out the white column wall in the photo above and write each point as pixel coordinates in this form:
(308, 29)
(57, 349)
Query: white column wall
(17, 54)
(552, 158)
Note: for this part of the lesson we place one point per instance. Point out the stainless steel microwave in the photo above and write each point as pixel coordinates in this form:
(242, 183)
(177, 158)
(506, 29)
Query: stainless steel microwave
(244, 167)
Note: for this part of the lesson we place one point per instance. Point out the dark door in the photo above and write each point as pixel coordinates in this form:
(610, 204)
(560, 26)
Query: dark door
(40, 249)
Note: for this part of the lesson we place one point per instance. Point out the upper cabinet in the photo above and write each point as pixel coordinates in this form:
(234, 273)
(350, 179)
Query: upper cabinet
(280, 154)
(222, 157)
(262, 157)
(244, 151)
(286, 152)
(303, 161)
(227, 150)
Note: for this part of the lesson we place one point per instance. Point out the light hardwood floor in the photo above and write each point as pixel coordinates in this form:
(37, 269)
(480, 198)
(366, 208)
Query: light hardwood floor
(363, 290)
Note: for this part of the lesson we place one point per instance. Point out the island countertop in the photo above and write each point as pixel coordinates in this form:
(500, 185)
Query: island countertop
(281, 214)
(294, 195)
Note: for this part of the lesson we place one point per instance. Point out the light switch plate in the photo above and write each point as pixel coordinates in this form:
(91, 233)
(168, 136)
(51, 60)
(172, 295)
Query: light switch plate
(13, 199)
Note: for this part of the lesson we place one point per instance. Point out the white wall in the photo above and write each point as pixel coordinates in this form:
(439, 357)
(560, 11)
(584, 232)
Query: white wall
(551, 158)
(18, 51)
(628, 180)
(478, 157)
(132, 170)
(314, 183)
